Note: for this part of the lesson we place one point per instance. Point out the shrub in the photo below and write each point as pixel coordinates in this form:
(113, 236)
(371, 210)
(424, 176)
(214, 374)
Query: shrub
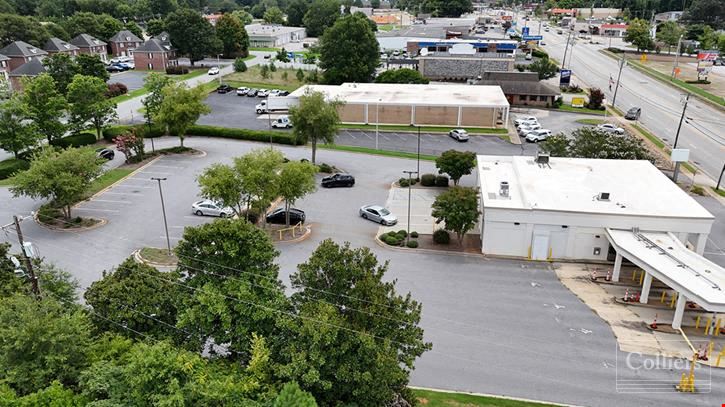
(116, 89)
(252, 214)
(326, 168)
(441, 236)
(428, 180)
(403, 182)
(441, 181)
(75, 140)
(239, 65)
(392, 241)
(12, 165)
(697, 190)
(700, 81)
(402, 233)
(243, 134)
(176, 70)
(538, 53)
(46, 213)
(414, 234)
(412, 244)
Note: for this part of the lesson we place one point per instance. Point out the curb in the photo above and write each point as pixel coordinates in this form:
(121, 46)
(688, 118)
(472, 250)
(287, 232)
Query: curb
(132, 173)
(429, 251)
(137, 256)
(308, 233)
(101, 222)
(497, 396)
(427, 132)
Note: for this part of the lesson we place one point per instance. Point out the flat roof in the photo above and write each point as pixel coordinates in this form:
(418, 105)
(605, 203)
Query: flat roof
(412, 94)
(635, 187)
(270, 30)
(669, 261)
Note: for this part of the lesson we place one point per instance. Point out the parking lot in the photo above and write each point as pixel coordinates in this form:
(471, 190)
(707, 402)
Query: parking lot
(230, 110)
(132, 79)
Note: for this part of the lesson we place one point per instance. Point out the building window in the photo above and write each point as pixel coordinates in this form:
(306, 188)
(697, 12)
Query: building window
(151, 56)
(151, 66)
(543, 98)
(122, 45)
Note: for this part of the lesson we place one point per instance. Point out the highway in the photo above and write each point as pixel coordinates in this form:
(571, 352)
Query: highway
(661, 104)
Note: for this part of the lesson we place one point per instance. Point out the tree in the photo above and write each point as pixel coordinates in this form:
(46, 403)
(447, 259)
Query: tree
(233, 36)
(296, 10)
(458, 208)
(292, 395)
(545, 67)
(240, 65)
(221, 183)
(320, 15)
(155, 27)
(258, 171)
(43, 340)
(191, 34)
(264, 71)
(181, 108)
(282, 55)
(669, 33)
(315, 119)
(162, 7)
(44, 105)
(352, 326)
(349, 51)
(373, 25)
(91, 65)
(88, 104)
(296, 180)
(237, 288)
(134, 28)
(300, 74)
(16, 135)
(375, 3)
(19, 28)
(451, 8)
(274, 15)
(709, 12)
(62, 68)
(638, 34)
(402, 75)
(137, 296)
(154, 84)
(62, 177)
(456, 164)
(596, 99)
(244, 17)
(131, 145)
(109, 27)
(588, 142)
(708, 39)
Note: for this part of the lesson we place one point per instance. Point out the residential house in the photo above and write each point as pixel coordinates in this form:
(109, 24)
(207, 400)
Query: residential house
(123, 43)
(32, 68)
(156, 54)
(668, 16)
(521, 88)
(58, 46)
(90, 45)
(19, 53)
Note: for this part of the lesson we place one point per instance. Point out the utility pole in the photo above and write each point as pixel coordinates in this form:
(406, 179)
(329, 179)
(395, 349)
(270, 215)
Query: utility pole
(418, 158)
(720, 177)
(619, 76)
(679, 126)
(163, 211)
(677, 56)
(269, 121)
(377, 121)
(563, 61)
(219, 67)
(26, 259)
(410, 173)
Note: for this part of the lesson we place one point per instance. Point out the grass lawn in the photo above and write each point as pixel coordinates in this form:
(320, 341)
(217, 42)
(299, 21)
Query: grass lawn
(253, 77)
(142, 91)
(108, 178)
(651, 137)
(159, 256)
(720, 192)
(6, 182)
(425, 129)
(568, 108)
(264, 49)
(429, 398)
(593, 122)
(387, 153)
(386, 27)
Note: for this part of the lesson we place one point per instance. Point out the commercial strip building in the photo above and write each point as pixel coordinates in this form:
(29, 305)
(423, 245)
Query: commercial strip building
(270, 35)
(417, 105)
(544, 208)
(458, 46)
(521, 88)
(459, 60)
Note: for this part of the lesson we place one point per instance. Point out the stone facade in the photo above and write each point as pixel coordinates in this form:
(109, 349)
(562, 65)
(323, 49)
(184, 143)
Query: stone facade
(459, 68)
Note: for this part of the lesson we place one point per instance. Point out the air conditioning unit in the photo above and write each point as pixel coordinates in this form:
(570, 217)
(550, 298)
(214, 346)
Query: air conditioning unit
(542, 159)
(603, 196)
(504, 189)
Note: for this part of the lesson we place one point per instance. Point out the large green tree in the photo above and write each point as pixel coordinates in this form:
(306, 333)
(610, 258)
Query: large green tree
(181, 108)
(91, 65)
(456, 164)
(355, 339)
(315, 119)
(154, 84)
(638, 34)
(403, 75)
(192, 35)
(244, 17)
(44, 105)
(544, 67)
(89, 106)
(349, 51)
(230, 265)
(233, 36)
(296, 10)
(711, 12)
(155, 27)
(62, 68)
(708, 39)
(63, 177)
(19, 28)
(588, 142)
(669, 33)
(274, 15)
(258, 172)
(221, 183)
(320, 15)
(458, 209)
(16, 133)
(296, 180)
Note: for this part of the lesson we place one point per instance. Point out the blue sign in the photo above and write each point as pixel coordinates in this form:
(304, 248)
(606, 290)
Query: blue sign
(525, 31)
(533, 37)
(565, 77)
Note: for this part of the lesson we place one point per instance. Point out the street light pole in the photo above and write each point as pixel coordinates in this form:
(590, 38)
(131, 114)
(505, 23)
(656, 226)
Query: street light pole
(720, 177)
(677, 56)
(619, 76)
(679, 126)
(377, 121)
(163, 211)
(219, 67)
(410, 173)
(269, 122)
(418, 174)
(563, 61)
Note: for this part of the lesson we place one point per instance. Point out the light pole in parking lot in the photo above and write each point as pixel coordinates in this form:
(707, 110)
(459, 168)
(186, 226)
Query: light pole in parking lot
(410, 174)
(418, 158)
(219, 67)
(163, 211)
(377, 121)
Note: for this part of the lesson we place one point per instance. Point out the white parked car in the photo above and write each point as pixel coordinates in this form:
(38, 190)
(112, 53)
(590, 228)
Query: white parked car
(526, 119)
(242, 91)
(610, 128)
(378, 214)
(210, 208)
(274, 92)
(282, 122)
(538, 135)
(263, 93)
(528, 57)
(213, 70)
(458, 135)
(528, 128)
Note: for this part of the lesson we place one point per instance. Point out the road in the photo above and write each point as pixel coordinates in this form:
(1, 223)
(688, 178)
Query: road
(661, 106)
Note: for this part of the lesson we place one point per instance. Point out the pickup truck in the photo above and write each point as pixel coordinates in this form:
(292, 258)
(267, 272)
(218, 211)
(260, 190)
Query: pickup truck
(276, 104)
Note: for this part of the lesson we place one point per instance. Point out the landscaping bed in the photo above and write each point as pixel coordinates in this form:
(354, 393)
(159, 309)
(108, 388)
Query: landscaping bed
(430, 398)
(53, 217)
(157, 256)
(253, 78)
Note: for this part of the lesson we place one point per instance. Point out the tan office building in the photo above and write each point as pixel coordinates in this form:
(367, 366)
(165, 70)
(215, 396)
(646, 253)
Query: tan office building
(420, 105)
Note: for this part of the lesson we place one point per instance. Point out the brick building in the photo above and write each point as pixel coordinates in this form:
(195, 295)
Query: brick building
(58, 46)
(90, 45)
(521, 88)
(4, 67)
(155, 54)
(123, 43)
(19, 52)
(32, 68)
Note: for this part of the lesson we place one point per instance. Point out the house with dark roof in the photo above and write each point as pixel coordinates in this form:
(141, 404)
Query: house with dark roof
(522, 88)
(32, 68)
(58, 46)
(123, 43)
(4, 67)
(156, 54)
(20, 52)
(90, 45)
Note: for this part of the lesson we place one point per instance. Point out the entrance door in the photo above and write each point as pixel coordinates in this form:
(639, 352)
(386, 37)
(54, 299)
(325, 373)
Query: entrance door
(540, 247)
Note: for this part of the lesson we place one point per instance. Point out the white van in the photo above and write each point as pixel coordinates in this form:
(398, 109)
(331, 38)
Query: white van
(282, 122)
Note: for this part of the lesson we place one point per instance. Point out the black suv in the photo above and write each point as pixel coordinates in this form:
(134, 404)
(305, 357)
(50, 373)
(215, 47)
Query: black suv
(278, 216)
(338, 180)
(633, 113)
(224, 89)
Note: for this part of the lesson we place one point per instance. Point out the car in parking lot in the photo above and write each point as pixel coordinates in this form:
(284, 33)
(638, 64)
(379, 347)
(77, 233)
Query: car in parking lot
(278, 216)
(262, 93)
(525, 119)
(224, 88)
(338, 180)
(252, 93)
(525, 129)
(114, 68)
(282, 122)
(105, 153)
(210, 208)
(538, 135)
(242, 91)
(610, 128)
(458, 135)
(214, 70)
(633, 113)
(378, 214)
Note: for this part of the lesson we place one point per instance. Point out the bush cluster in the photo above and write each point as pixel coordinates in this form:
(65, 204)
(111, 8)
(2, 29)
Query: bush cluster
(207, 131)
(326, 168)
(12, 165)
(441, 181)
(412, 244)
(398, 238)
(176, 70)
(537, 53)
(75, 140)
(116, 89)
(403, 182)
(428, 180)
(441, 236)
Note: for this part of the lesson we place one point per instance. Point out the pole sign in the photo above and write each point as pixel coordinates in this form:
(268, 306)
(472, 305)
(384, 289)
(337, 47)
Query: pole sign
(565, 77)
(525, 31)
(533, 37)
(705, 61)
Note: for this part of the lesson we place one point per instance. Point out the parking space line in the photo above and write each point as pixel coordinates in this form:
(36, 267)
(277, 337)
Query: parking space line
(367, 135)
(176, 167)
(97, 210)
(121, 193)
(132, 186)
(384, 136)
(350, 134)
(112, 201)
(156, 172)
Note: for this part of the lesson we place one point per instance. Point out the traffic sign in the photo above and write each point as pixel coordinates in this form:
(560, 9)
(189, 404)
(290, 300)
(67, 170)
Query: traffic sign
(525, 31)
(533, 37)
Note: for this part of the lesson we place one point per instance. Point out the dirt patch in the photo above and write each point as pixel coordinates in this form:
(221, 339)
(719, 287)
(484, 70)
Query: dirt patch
(471, 244)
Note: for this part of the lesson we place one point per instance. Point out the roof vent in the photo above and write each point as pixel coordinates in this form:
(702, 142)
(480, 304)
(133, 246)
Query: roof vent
(504, 189)
(603, 196)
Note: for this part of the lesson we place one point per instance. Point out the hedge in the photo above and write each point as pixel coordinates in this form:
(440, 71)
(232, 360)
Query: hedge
(428, 180)
(111, 132)
(75, 140)
(441, 236)
(11, 165)
(243, 134)
(441, 181)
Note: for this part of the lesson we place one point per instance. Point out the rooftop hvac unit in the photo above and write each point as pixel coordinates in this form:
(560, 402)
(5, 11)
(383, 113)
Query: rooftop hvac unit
(542, 159)
(603, 196)
(504, 189)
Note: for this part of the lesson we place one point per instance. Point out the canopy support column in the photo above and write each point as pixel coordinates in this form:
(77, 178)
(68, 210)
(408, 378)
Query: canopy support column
(645, 288)
(617, 267)
(701, 242)
(679, 311)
